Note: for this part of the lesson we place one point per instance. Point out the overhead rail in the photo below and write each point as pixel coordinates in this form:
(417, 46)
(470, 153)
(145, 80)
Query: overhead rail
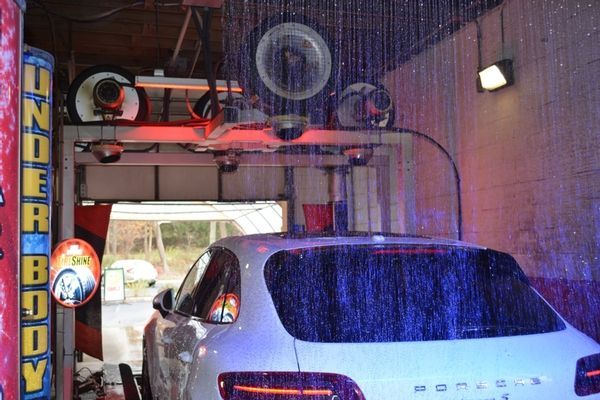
(261, 138)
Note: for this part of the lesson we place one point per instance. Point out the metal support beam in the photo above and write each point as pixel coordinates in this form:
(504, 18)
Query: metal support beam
(290, 195)
(338, 196)
(383, 194)
(408, 187)
(182, 31)
(233, 137)
(227, 135)
(65, 317)
(207, 160)
(203, 28)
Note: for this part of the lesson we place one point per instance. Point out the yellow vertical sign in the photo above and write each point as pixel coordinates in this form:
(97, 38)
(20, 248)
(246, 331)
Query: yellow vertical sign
(36, 170)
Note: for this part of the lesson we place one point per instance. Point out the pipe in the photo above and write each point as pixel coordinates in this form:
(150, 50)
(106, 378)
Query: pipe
(441, 148)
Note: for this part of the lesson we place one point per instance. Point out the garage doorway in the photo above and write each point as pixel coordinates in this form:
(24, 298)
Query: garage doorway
(154, 244)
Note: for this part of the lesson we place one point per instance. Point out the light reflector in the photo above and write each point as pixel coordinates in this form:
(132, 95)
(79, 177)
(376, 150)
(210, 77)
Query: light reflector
(161, 82)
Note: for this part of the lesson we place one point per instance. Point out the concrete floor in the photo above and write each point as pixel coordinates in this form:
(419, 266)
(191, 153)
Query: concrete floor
(122, 330)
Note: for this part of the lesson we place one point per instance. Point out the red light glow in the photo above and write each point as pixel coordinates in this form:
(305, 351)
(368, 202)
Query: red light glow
(318, 392)
(591, 374)
(409, 251)
(253, 389)
(184, 87)
(284, 391)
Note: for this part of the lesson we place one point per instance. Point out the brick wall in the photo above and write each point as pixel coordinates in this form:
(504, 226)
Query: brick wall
(529, 154)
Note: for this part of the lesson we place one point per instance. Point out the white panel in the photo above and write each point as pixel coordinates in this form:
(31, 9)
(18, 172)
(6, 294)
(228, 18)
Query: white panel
(253, 183)
(258, 217)
(188, 183)
(136, 183)
(119, 183)
(367, 212)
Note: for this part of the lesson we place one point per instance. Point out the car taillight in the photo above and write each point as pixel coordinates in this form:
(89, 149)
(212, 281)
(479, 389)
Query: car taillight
(587, 378)
(287, 386)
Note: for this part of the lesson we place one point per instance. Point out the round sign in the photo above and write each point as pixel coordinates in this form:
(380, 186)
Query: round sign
(74, 272)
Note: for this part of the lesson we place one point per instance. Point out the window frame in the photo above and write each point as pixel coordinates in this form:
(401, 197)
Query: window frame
(187, 276)
(215, 253)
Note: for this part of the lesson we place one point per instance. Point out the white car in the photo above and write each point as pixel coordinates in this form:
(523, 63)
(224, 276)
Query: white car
(137, 271)
(374, 317)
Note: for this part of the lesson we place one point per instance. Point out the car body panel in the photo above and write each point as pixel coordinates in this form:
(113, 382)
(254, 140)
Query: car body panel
(197, 352)
(515, 367)
(500, 368)
(255, 341)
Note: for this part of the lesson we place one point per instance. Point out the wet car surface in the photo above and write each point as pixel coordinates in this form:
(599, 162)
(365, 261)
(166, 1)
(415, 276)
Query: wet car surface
(361, 317)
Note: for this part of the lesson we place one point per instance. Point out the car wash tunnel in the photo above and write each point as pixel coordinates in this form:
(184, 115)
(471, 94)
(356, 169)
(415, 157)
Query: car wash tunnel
(300, 199)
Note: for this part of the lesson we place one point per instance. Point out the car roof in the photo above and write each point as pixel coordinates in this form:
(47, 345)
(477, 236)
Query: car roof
(281, 241)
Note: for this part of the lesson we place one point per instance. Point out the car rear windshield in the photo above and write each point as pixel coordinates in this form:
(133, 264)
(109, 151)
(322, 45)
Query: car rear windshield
(403, 293)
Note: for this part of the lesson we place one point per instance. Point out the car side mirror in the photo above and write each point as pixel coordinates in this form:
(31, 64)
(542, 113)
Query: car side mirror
(163, 302)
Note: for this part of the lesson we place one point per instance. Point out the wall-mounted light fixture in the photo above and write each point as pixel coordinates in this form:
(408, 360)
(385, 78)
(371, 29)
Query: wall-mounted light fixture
(499, 74)
(496, 76)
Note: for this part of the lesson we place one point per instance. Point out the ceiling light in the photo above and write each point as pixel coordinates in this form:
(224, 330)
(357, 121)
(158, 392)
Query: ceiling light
(288, 127)
(107, 152)
(227, 161)
(496, 76)
(358, 156)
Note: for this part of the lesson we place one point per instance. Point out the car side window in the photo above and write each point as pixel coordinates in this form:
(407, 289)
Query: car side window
(184, 301)
(217, 297)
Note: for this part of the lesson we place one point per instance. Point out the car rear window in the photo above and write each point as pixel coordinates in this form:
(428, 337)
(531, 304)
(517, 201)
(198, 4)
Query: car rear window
(403, 293)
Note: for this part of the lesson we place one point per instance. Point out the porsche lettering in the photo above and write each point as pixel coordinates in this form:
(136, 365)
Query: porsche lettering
(481, 385)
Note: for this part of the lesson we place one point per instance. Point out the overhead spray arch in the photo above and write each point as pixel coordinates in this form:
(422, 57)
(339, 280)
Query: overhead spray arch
(448, 157)
(258, 148)
(250, 218)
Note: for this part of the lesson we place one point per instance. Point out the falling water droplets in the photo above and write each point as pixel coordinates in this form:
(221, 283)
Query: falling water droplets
(524, 153)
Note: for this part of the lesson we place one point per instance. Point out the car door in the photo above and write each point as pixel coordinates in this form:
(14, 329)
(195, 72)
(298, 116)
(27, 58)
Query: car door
(213, 301)
(165, 336)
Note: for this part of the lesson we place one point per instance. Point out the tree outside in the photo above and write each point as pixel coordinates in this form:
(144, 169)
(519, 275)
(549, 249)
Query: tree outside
(171, 247)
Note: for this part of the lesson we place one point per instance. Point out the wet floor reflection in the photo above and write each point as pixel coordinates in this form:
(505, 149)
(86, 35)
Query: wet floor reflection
(122, 331)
